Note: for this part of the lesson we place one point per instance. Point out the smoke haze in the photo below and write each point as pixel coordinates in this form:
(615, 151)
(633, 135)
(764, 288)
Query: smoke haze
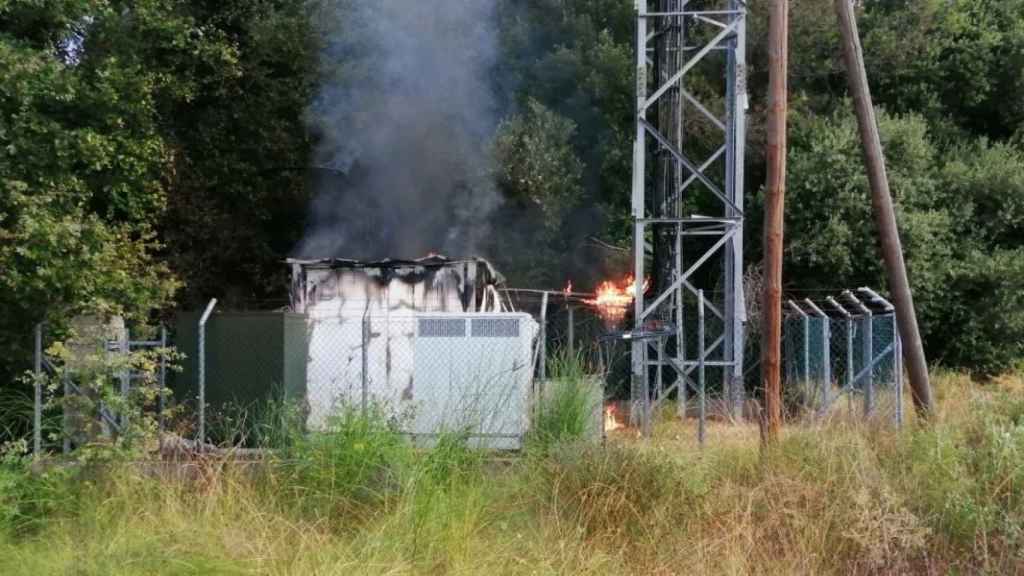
(403, 130)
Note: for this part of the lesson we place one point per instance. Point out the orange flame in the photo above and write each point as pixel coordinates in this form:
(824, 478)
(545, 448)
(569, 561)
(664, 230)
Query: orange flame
(613, 300)
(610, 423)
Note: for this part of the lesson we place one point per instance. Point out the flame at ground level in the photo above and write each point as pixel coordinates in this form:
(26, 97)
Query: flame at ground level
(610, 422)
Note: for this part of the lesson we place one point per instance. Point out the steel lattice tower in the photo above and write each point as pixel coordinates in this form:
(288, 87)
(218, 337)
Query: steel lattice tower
(687, 197)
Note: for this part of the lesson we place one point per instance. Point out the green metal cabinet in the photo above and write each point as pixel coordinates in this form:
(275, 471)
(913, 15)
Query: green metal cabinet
(251, 357)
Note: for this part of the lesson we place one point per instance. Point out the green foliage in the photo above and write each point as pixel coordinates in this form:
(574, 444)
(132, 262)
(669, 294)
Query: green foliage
(16, 406)
(570, 407)
(615, 493)
(537, 163)
(959, 218)
(985, 323)
(948, 73)
(29, 499)
(831, 238)
(540, 175)
(842, 499)
(153, 149)
(987, 181)
(576, 59)
(240, 179)
(967, 480)
(269, 424)
(99, 420)
(955, 62)
(356, 461)
(82, 168)
(450, 459)
(134, 136)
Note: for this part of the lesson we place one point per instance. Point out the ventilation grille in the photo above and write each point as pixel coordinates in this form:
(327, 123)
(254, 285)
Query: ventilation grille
(495, 327)
(442, 328)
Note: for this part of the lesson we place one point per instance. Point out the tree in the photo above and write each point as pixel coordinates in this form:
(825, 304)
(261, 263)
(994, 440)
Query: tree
(86, 158)
(539, 176)
(959, 216)
(576, 58)
(81, 176)
(955, 62)
(238, 194)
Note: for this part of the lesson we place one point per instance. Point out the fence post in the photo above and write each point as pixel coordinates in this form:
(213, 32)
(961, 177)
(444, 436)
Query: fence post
(700, 368)
(571, 332)
(849, 360)
(897, 367)
(806, 322)
(365, 368)
(124, 348)
(848, 323)
(543, 341)
(65, 420)
(826, 357)
(826, 335)
(805, 326)
(37, 414)
(869, 360)
(202, 368)
(867, 347)
(659, 386)
(897, 347)
(682, 390)
(163, 386)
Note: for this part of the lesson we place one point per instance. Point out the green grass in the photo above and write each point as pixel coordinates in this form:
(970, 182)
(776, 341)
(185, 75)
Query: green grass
(837, 498)
(570, 406)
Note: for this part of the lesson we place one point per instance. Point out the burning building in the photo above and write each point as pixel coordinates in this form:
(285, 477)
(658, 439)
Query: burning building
(427, 340)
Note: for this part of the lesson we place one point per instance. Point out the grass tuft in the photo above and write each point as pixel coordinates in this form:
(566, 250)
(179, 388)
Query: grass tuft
(569, 407)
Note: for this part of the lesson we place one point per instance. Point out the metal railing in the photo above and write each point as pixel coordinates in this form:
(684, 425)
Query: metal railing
(843, 347)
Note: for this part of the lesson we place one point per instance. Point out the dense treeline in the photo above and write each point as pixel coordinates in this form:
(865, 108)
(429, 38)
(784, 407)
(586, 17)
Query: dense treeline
(154, 153)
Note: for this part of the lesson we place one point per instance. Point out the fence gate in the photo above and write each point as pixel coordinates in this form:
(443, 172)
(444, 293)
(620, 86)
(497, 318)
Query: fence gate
(846, 346)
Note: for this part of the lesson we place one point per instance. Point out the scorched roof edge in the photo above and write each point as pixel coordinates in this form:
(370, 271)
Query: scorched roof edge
(434, 261)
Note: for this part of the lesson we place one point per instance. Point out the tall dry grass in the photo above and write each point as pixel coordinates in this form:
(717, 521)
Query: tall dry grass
(830, 498)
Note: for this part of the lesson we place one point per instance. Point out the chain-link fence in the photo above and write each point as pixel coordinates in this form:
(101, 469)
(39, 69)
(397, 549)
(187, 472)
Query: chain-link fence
(477, 373)
(842, 357)
(427, 373)
(431, 373)
(572, 328)
(690, 375)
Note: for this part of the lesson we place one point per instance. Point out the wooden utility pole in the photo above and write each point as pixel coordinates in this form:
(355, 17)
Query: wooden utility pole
(885, 217)
(771, 309)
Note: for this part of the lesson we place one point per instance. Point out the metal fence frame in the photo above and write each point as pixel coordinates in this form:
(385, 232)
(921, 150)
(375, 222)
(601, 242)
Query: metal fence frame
(822, 337)
(43, 365)
(844, 347)
(861, 326)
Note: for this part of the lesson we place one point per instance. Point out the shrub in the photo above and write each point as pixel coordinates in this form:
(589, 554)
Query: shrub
(569, 406)
(357, 461)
